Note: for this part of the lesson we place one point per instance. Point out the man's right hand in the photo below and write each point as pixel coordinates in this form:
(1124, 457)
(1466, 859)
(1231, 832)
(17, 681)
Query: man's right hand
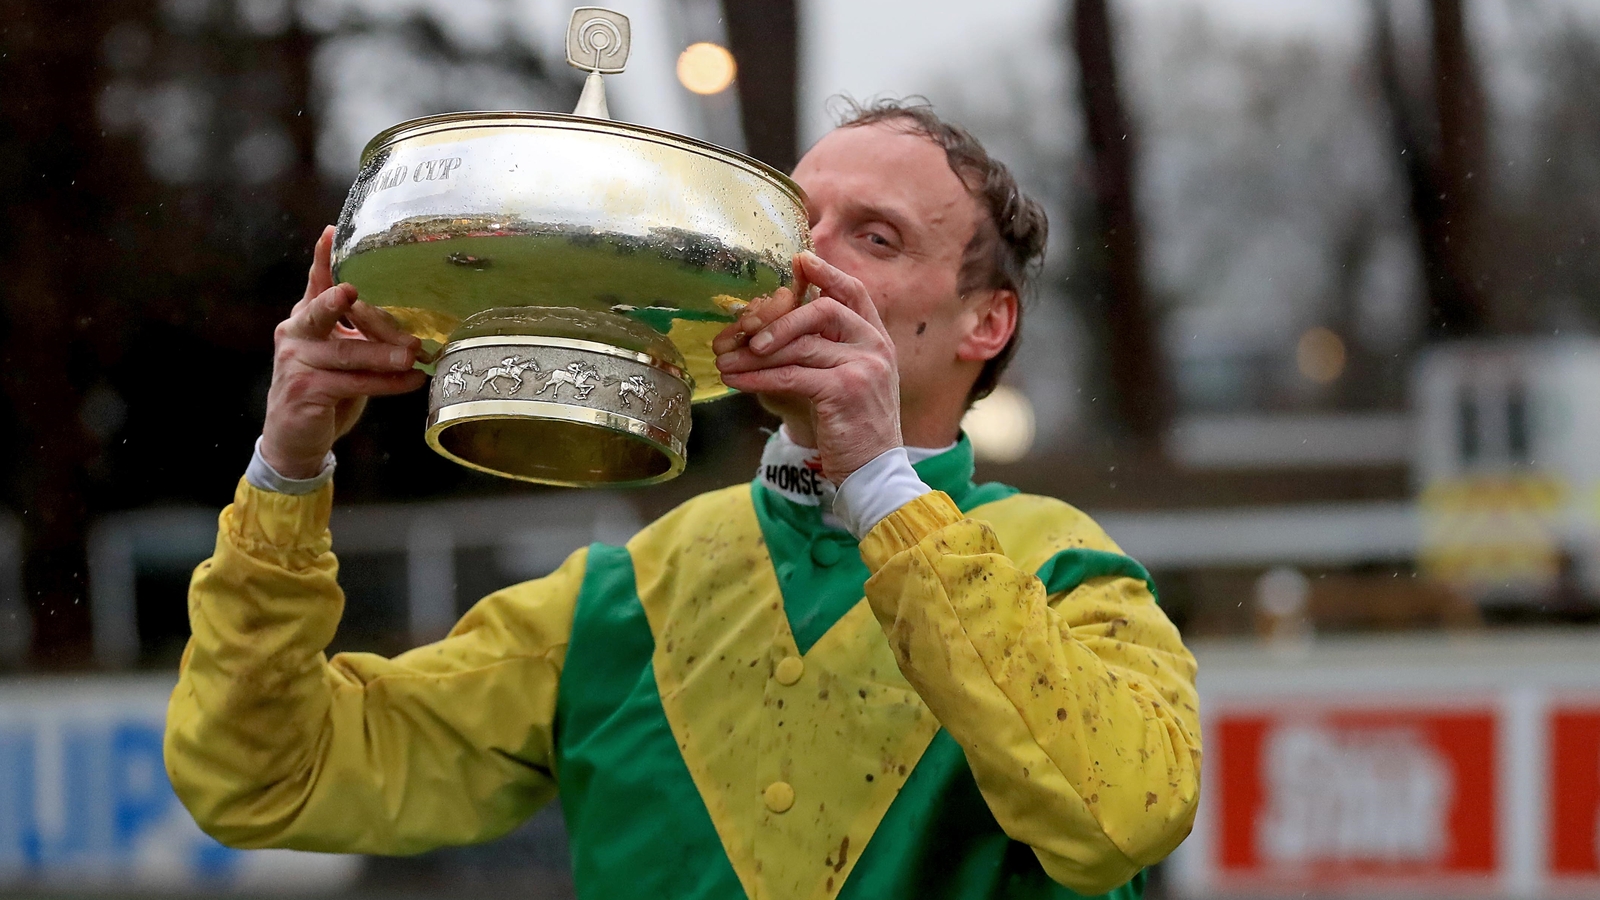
(323, 371)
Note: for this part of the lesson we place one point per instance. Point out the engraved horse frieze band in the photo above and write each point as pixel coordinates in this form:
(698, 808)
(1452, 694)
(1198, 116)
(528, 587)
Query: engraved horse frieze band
(617, 382)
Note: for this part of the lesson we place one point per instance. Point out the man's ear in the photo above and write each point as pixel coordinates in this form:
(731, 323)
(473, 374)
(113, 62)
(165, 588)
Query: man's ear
(993, 321)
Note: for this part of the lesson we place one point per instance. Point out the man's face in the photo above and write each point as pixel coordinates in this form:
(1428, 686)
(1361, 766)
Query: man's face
(886, 208)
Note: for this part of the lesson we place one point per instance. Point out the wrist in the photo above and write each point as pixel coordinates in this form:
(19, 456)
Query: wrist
(848, 465)
(263, 475)
(799, 430)
(294, 471)
(293, 466)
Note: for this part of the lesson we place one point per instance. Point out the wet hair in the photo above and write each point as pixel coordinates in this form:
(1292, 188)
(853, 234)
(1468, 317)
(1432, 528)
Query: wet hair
(1007, 250)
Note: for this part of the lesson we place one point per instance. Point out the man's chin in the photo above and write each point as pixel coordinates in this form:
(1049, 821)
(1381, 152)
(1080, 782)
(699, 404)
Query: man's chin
(785, 406)
(795, 411)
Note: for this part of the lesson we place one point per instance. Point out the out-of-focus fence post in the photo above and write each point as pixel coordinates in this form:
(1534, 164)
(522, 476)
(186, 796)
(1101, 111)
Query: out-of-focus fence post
(16, 626)
(430, 579)
(111, 586)
(118, 544)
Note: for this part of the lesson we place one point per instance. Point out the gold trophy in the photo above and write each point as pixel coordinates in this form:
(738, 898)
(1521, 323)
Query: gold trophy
(568, 271)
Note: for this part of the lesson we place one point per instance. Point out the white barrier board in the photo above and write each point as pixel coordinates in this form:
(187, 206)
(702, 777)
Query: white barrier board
(85, 801)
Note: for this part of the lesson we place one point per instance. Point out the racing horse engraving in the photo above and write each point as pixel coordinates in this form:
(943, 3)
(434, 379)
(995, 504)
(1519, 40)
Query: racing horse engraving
(672, 412)
(455, 381)
(580, 375)
(641, 387)
(511, 368)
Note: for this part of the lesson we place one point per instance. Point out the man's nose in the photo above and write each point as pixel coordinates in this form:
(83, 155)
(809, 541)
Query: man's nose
(825, 238)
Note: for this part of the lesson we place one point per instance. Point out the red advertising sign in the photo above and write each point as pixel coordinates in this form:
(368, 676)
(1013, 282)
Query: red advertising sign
(1574, 799)
(1337, 798)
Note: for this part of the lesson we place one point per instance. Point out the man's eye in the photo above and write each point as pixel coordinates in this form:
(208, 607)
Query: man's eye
(878, 239)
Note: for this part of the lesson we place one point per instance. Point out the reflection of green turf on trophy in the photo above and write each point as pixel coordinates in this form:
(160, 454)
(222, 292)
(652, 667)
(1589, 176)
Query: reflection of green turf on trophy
(434, 273)
(456, 267)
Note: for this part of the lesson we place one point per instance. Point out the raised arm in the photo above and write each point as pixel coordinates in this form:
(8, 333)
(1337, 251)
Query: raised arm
(1077, 710)
(271, 744)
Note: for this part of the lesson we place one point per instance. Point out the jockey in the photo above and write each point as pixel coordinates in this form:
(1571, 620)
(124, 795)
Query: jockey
(861, 675)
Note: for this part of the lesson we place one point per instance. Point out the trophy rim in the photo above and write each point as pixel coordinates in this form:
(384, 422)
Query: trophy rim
(452, 121)
(484, 410)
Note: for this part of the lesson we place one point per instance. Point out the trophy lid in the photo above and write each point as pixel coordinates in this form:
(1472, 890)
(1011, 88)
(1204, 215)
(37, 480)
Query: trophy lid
(598, 41)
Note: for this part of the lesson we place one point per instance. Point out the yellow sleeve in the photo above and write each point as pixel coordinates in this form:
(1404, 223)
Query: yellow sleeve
(271, 744)
(1077, 713)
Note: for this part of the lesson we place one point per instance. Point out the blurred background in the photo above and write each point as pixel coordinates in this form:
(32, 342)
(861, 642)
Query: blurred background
(1318, 342)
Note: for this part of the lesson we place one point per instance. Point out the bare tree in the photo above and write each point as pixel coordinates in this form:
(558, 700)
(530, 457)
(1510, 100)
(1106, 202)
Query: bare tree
(1442, 149)
(1115, 265)
(765, 39)
(54, 188)
(1545, 262)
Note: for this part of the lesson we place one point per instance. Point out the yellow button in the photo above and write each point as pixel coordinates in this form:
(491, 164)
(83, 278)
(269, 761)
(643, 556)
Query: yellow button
(789, 670)
(778, 796)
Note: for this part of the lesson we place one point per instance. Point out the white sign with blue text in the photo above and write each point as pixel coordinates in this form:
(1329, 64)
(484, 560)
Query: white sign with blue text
(85, 801)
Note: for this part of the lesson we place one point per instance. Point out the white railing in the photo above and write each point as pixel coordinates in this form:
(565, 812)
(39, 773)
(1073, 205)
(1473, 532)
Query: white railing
(530, 536)
(1319, 534)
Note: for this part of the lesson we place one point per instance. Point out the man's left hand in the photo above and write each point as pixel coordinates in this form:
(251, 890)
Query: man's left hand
(832, 352)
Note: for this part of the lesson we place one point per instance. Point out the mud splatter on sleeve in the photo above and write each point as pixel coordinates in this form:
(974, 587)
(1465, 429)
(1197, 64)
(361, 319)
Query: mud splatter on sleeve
(271, 744)
(1078, 713)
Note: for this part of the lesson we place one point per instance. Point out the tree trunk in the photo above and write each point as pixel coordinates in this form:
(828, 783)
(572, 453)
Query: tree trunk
(1133, 360)
(1460, 163)
(1443, 162)
(54, 192)
(764, 35)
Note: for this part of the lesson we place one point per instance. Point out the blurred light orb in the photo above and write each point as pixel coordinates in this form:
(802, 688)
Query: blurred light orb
(706, 68)
(263, 155)
(1000, 426)
(1283, 592)
(1320, 355)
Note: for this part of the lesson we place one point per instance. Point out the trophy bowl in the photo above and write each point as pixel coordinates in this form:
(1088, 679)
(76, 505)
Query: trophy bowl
(568, 273)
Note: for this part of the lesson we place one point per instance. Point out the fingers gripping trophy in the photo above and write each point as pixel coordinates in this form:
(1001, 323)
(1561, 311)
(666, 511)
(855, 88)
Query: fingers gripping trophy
(562, 277)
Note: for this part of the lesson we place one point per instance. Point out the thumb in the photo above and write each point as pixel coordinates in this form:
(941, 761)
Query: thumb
(802, 286)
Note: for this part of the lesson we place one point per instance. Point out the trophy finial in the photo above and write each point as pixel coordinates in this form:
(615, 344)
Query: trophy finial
(597, 42)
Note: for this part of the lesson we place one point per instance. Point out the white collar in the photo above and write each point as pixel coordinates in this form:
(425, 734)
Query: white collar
(795, 472)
